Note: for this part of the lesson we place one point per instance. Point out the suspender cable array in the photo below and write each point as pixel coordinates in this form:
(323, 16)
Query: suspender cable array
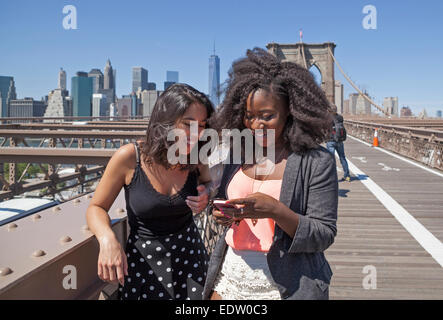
(355, 87)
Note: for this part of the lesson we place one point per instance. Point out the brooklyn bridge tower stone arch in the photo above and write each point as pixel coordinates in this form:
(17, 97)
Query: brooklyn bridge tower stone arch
(308, 55)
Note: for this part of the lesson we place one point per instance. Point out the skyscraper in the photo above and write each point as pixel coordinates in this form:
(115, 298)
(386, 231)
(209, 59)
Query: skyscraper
(26, 108)
(353, 103)
(97, 80)
(62, 79)
(58, 104)
(214, 79)
(114, 79)
(7, 93)
(99, 105)
(139, 79)
(109, 83)
(391, 105)
(438, 114)
(148, 99)
(362, 106)
(112, 110)
(339, 96)
(346, 106)
(172, 76)
(405, 112)
(167, 84)
(81, 91)
(108, 76)
(124, 106)
(134, 104)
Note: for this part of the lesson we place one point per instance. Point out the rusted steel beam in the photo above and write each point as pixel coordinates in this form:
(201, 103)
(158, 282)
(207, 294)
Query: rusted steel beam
(51, 167)
(12, 164)
(5, 183)
(402, 121)
(70, 134)
(40, 119)
(73, 126)
(53, 180)
(56, 155)
(424, 124)
(60, 261)
(92, 144)
(24, 172)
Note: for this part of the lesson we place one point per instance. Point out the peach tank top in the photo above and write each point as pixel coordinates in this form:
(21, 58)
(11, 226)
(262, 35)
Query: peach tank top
(246, 236)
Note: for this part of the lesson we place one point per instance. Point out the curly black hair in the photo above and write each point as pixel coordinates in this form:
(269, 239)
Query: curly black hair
(309, 111)
(169, 107)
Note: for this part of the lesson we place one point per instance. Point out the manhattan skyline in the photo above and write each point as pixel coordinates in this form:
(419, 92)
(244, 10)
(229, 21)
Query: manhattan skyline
(400, 58)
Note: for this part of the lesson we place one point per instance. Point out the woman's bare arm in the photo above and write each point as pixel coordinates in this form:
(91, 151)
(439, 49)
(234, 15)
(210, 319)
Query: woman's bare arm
(112, 262)
(108, 189)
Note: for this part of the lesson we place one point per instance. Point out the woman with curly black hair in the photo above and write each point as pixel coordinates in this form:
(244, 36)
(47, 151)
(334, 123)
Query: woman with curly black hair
(164, 256)
(285, 218)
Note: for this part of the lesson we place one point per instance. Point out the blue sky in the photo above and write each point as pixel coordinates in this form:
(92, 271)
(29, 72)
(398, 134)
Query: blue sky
(402, 57)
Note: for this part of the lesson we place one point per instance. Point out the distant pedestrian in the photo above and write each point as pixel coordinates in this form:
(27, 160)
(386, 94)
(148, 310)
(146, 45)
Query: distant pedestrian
(338, 135)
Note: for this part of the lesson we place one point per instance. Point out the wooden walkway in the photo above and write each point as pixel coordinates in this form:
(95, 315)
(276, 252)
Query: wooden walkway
(369, 235)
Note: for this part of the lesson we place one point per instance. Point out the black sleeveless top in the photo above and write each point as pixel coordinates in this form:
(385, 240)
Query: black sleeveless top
(166, 255)
(151, 213)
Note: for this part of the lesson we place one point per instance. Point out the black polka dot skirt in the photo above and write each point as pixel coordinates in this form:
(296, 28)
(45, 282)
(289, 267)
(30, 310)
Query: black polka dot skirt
(171, 267)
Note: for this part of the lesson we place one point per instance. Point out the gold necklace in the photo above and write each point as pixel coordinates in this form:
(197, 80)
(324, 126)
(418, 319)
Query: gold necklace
(254, 221)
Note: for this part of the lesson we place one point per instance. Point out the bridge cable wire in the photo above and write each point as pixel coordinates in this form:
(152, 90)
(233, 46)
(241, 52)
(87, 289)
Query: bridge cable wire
(355, 87)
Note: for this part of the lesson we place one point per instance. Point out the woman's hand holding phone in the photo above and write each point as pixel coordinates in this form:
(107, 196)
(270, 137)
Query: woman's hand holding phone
(254, 206)
(220, 216)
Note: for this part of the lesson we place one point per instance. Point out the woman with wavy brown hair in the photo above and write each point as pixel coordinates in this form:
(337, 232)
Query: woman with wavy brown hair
(164, 256)
(285, 217)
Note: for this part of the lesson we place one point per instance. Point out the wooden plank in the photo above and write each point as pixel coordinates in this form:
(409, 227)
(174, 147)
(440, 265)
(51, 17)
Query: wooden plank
(368, 234)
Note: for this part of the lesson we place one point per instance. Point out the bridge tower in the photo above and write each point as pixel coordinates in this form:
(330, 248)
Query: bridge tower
(308, 55)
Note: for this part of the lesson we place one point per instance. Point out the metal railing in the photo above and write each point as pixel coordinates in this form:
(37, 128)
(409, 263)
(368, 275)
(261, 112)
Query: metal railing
(420, 144)
(127, 119)
(88, 150)
(63, 248)
(61, 240)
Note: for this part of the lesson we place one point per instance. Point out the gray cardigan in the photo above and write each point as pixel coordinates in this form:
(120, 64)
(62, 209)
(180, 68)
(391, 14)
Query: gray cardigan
(297, 265)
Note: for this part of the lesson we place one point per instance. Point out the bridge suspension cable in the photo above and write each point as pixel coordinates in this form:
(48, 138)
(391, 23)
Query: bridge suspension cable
(355, 87)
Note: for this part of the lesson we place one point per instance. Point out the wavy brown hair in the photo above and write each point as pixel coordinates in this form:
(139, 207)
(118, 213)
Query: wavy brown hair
(168, 109)
(309, 117)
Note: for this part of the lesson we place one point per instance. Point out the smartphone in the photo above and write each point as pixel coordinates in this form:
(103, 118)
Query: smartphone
(221, 204)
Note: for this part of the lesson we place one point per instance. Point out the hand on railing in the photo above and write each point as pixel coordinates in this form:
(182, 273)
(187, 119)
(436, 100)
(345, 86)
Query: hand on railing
(112, 262)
